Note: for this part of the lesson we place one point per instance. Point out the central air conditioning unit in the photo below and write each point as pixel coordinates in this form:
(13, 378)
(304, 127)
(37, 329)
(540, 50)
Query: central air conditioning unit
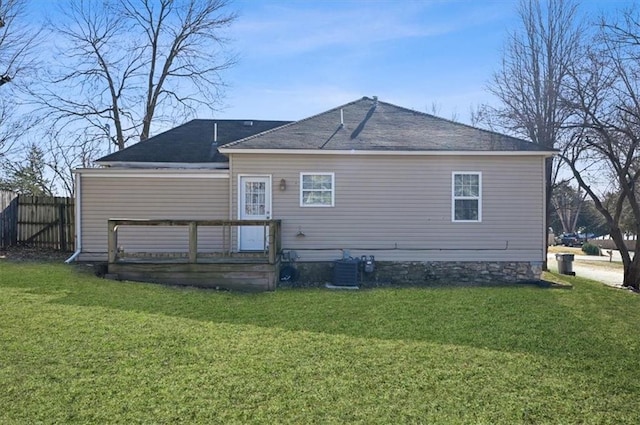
(345, 272)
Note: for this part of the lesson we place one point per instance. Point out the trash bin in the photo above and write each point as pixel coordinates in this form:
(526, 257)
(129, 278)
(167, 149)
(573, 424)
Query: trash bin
(565, 264)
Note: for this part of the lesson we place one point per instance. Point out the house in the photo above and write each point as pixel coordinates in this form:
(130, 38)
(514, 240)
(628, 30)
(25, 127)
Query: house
(424, 199)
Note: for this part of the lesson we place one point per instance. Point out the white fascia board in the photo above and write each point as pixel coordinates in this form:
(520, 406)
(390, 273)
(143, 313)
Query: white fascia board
(385, 153)
(170, 173)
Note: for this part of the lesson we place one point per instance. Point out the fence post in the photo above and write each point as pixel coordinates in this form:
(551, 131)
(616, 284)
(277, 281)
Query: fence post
(62, 227)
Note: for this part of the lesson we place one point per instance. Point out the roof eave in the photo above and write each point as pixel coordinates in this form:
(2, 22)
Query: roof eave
(227, 151)
(153, 173)
(160, 165)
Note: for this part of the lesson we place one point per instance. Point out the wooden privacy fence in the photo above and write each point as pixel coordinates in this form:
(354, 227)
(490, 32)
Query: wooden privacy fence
(39, 221)
(8, 218)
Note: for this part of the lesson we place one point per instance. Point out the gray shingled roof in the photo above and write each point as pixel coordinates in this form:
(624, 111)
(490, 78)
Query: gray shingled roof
(370, 124)
(191, 142)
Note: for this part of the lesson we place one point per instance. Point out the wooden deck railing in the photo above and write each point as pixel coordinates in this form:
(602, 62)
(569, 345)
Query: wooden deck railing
(271, 247)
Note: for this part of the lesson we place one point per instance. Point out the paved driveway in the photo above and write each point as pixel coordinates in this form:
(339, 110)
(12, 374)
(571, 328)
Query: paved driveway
(607, 275)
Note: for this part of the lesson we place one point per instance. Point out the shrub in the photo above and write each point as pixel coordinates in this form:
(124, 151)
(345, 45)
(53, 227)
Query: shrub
(590, 249)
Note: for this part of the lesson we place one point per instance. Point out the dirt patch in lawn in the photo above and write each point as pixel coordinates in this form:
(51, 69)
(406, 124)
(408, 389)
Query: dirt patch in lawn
(26, 253)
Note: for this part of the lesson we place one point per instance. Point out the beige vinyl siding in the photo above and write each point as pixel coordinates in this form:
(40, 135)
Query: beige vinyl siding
(148, 198)
(399, 207)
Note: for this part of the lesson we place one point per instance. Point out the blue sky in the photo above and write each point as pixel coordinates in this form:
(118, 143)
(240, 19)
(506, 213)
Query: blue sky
(298, 58)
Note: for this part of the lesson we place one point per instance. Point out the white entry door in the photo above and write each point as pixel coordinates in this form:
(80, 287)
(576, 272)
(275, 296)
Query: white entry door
(255, 204)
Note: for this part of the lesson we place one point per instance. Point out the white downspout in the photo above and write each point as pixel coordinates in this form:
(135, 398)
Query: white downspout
(230, 187)
(78, 219)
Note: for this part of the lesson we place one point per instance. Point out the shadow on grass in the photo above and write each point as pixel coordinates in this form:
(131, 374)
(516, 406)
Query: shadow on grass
(516, 318)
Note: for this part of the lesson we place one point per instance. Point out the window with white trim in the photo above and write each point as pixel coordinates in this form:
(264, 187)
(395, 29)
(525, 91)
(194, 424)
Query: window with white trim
(317, 189)
(466, 199)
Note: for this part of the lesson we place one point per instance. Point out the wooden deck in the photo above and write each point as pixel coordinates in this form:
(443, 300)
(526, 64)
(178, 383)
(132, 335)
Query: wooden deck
(246, 271)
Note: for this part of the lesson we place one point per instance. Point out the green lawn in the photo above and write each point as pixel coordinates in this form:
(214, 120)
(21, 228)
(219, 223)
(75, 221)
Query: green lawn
(74, 348)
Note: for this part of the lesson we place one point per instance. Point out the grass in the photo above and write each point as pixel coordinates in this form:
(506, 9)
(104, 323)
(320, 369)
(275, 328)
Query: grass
(77, 349)
(605, 265)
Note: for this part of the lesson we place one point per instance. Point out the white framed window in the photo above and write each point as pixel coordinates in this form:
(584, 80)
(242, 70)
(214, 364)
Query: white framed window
(317, 189)
(466, 196)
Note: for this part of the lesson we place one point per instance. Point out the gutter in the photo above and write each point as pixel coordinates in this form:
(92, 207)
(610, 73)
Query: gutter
(78, 220)
(164, 165)
(346, 152)
(155, 173)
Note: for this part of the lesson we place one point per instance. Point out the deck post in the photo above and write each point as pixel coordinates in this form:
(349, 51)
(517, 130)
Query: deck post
(279, 236)
(272, 243)
(250, 271)
(112, 241)
(226, 244)
(193, 242)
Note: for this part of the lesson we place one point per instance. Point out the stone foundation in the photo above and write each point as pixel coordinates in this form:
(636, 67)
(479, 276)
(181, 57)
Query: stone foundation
(430, 273)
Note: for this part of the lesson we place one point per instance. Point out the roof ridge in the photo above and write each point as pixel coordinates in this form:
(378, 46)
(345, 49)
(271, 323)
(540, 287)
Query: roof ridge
(414, 111)
(294, 122)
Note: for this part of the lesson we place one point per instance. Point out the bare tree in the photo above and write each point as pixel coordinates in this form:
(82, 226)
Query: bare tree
(12, 128)
(605, 97)
(534, 72)
(18, 40)
(66, 152)
(126, 63)
(436, 109)
(568, 204)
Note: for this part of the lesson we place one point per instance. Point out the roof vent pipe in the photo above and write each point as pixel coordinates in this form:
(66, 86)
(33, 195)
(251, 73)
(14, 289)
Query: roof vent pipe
(341, 117)
(215, 132)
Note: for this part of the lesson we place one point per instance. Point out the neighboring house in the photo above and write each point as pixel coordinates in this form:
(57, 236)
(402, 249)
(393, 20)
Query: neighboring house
(432, 200)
